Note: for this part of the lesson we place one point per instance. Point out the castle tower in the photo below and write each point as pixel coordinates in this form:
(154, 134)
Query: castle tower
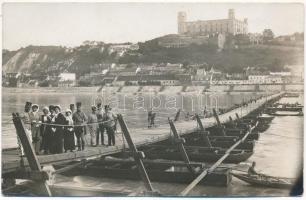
(181, 22)
(231, 14)
(245, 20)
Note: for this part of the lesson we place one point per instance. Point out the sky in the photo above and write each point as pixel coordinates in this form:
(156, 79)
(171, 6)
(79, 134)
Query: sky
(69, 24)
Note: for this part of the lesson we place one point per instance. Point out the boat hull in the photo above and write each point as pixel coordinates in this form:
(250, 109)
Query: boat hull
(219, 177)
(198, 156)
(265, 181)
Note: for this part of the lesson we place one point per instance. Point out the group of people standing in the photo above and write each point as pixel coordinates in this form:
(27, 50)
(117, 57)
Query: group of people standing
(55, 131)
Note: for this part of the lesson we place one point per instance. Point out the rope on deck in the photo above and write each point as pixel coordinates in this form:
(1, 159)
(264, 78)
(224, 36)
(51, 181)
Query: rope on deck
(72, 125)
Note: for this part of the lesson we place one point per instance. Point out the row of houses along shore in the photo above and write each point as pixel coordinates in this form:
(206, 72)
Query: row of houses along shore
(168, 75)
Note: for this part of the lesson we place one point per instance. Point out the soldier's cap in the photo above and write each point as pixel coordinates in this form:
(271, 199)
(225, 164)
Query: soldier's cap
(28, 103)
(93, 107)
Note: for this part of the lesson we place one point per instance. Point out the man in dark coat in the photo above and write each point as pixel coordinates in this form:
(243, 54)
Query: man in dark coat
(52, 129)
(79, 119)
(45, 131)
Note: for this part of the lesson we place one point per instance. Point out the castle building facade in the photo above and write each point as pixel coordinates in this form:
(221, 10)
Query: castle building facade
(231, 25)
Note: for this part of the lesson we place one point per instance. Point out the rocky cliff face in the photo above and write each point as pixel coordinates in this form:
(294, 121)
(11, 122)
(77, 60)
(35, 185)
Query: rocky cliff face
(47, 59)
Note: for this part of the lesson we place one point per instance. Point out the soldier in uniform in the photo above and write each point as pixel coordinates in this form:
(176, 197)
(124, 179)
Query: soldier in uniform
(109, 122)
(79, 118)
(93, 125)
(101, 127)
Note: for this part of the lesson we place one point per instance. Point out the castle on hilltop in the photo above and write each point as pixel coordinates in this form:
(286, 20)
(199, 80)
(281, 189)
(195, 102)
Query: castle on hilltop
(230, 25)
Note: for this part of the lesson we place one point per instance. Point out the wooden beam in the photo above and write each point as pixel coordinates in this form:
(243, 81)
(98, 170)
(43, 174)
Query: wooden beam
(202, 129)
(162, 162)
(218, 122)
(29, 152)
(213, 167)
(29, 175)
(179, 143)
(138, 156)
(63, 169)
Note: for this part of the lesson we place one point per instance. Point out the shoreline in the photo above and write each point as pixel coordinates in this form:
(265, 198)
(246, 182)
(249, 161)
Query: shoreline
(152, 89)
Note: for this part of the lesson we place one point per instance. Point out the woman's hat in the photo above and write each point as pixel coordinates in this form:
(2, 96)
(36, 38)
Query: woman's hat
(58, 106)
(28, 104)
(68, 110)
(51, 107)
(45, 108)
(35, 105)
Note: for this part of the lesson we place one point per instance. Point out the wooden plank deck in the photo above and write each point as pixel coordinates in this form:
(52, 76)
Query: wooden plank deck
(144, 136)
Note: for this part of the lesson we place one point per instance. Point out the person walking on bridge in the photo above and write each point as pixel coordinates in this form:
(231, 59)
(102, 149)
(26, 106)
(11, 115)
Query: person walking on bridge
(79, 118)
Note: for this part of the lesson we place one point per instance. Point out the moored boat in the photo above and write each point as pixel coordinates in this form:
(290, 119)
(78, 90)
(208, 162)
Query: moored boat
(197, 154)
(265, 180)
(160, 171)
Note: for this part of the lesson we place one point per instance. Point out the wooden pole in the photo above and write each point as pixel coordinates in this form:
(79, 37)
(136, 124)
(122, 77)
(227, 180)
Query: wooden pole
(179, 141)
(218, 122)
(213, 167)
(237, 116)
(177, 116)
(231, 119)
(29, 152)
(138, 155)
(202, 129)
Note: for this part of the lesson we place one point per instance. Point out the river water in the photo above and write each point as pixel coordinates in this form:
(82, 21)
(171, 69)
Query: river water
(278, 152)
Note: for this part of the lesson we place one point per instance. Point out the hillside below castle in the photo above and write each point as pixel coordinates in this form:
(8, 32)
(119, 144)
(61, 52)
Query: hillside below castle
(97, 56)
